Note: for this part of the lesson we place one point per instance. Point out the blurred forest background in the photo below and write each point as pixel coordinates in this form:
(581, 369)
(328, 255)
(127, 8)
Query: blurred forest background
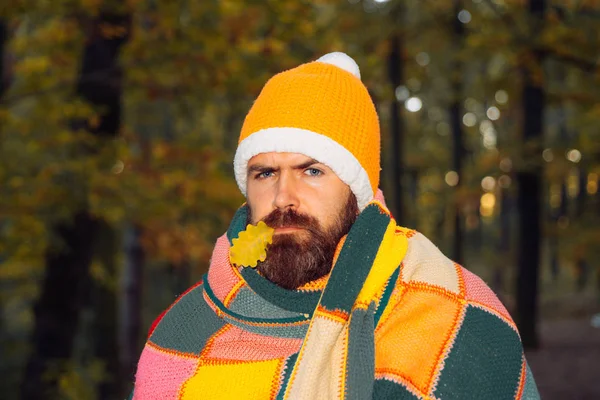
(119, 120)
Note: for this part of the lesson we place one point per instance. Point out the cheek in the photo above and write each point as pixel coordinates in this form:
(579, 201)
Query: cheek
(328, 205)
(258, 204)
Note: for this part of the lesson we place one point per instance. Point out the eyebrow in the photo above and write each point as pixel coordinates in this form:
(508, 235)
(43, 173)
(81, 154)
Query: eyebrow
(264, 168)
(306, 164)
(260, 168)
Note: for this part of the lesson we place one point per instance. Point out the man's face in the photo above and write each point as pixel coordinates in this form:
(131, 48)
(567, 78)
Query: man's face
(310, 209)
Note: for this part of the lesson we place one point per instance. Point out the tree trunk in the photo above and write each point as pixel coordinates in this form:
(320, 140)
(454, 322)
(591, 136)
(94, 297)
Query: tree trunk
(7, 370)
(395, 72)
(3, 69)
(105, 305)
(504, 242)
(57, 310)
(529, 199)
(582, 195)
(412, 188)
(67, 278)
(506, 206)
(582, 267)
(130, 326)
(458, 150)
(563, 210)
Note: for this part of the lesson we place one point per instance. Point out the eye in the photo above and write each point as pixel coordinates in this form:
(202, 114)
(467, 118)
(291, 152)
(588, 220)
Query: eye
(313, 172)
(264, 175)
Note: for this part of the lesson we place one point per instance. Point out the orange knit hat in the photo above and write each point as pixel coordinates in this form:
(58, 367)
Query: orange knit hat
(320, 109)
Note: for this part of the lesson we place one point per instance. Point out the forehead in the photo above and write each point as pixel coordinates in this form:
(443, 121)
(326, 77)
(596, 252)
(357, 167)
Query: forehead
(280, 159)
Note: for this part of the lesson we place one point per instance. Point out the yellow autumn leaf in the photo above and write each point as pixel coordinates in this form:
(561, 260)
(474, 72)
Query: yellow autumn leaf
(33, 65)
(251, 245)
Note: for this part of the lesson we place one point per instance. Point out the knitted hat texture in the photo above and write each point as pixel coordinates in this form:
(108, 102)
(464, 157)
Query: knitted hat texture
(320, 109)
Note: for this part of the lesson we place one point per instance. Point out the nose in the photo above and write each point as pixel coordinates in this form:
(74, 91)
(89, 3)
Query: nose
(286, 195)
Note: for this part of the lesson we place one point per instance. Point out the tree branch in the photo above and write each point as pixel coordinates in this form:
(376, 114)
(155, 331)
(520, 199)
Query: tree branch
(584, 64)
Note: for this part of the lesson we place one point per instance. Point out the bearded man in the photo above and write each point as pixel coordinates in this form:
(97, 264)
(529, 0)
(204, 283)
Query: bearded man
(342, 303)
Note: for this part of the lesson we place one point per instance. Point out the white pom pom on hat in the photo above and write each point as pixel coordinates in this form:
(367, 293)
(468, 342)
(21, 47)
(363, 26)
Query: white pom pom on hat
(341, 60)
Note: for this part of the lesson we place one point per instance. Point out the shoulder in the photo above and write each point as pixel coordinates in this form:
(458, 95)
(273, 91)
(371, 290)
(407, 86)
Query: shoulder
(444, 331)
(162, 314)
(426, 271)
(425, 263)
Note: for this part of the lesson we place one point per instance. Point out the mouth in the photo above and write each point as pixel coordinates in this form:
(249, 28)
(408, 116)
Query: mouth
(287, 229)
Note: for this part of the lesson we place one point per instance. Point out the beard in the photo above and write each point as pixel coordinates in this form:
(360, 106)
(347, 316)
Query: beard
(298, 258)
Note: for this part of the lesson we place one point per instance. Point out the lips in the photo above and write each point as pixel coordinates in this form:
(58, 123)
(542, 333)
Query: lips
(287, 229)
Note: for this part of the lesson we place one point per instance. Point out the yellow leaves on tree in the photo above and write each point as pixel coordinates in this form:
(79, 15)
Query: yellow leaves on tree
(174, 191)
(175, 242)
(33, 65)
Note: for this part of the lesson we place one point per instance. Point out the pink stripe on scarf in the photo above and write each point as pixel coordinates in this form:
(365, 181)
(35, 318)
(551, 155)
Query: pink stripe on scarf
(479, 292)
(238, 344)
(221, 275)
(161, 374)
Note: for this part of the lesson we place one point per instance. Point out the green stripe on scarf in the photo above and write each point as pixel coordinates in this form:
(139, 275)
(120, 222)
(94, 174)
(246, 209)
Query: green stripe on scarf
(361, 347)
(181, 328)
(384, 389)
(291, 300)
(289, 364)
(499, 360)
(238, 223)
(355, 259)
(530, 390)
(246, 302)
(385, 298)
(336, 360)
(211, 295)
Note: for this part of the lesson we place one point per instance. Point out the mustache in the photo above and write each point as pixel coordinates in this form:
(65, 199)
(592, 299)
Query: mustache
(290, 218)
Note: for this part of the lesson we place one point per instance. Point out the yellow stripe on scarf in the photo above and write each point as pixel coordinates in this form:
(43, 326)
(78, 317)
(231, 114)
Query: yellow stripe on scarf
(389, 256)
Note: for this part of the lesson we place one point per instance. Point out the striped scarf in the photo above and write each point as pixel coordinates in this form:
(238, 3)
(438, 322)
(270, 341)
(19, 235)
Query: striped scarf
(331, 363)
(394, 319)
